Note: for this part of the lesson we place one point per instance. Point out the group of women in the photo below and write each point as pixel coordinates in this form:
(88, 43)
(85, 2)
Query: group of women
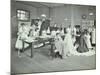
(65, 42)
(70, 46)
(25, 32)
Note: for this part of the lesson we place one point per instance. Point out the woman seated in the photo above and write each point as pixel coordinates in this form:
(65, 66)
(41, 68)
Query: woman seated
(58, 45)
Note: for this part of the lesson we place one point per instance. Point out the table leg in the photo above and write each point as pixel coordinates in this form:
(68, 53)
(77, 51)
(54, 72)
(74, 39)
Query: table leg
(23, 46)
(31, 50)
(52, 49)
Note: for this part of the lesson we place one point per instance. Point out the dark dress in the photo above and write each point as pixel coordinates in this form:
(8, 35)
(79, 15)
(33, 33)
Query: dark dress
(44, 26)
(82, 45)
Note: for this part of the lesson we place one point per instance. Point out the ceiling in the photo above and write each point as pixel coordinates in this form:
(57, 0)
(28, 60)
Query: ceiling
(41, 4)
(52, 4)
(45, 4)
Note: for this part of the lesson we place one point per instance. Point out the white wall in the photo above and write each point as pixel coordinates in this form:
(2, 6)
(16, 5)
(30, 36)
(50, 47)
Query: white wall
(72, 12)
(34, 13)
(58, 14)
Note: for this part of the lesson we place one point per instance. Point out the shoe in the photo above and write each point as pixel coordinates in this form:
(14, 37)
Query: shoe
(60, 56)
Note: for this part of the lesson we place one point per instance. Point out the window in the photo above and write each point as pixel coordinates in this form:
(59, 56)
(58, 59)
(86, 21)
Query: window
(23, 15)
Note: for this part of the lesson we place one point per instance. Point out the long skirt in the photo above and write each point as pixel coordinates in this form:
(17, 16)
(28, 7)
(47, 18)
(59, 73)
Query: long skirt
(19, 44)
(68, 45)
(59, 46)
(82, 45)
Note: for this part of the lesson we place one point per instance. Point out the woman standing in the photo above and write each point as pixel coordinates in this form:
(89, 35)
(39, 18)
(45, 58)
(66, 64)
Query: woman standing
(93, 36)
(68, 43)
(22, 35)
(87, 40)
(82, 44)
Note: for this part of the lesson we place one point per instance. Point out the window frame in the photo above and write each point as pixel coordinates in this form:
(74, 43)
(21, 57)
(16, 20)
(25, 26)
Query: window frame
(26, 11)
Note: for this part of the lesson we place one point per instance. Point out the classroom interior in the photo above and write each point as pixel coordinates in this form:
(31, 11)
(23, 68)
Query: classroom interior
(61, 14)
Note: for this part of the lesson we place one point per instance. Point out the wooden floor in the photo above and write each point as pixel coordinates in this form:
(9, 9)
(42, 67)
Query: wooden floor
(41, 62)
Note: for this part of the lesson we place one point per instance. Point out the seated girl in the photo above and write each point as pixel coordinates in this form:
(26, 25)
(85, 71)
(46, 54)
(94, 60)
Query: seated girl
(59, 45)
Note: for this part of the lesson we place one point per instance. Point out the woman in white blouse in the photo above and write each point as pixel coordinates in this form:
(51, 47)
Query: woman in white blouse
(22, 35)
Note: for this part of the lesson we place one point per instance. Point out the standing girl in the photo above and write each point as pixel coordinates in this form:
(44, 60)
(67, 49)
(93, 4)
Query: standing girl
(22, 35)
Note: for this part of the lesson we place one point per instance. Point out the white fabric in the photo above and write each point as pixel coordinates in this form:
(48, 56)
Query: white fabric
(22, 34)
(53, 33)
(68, 45)
(59, 44)
(93, 36)
(69, 31)
(44, 33)
(62, 32)
(48, 30)
(87, 40)
(39, 25)
(36, 33)
(58, 31)
(19, 44)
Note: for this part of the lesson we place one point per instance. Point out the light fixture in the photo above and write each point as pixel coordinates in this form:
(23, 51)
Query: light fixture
(84, 16)
(91, 14)
(43, 15)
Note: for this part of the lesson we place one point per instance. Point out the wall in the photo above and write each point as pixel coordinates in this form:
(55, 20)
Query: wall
(35, 12)
(72, 12)
(58, 15)
(43, 10)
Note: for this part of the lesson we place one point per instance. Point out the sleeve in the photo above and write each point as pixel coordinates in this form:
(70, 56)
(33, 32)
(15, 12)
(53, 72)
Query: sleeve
(19, 31)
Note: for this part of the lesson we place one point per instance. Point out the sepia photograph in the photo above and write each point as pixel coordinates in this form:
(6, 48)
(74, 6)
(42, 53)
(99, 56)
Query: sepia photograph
(52, 37)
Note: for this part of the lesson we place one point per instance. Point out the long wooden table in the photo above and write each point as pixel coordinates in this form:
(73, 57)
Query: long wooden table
(41, 40)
